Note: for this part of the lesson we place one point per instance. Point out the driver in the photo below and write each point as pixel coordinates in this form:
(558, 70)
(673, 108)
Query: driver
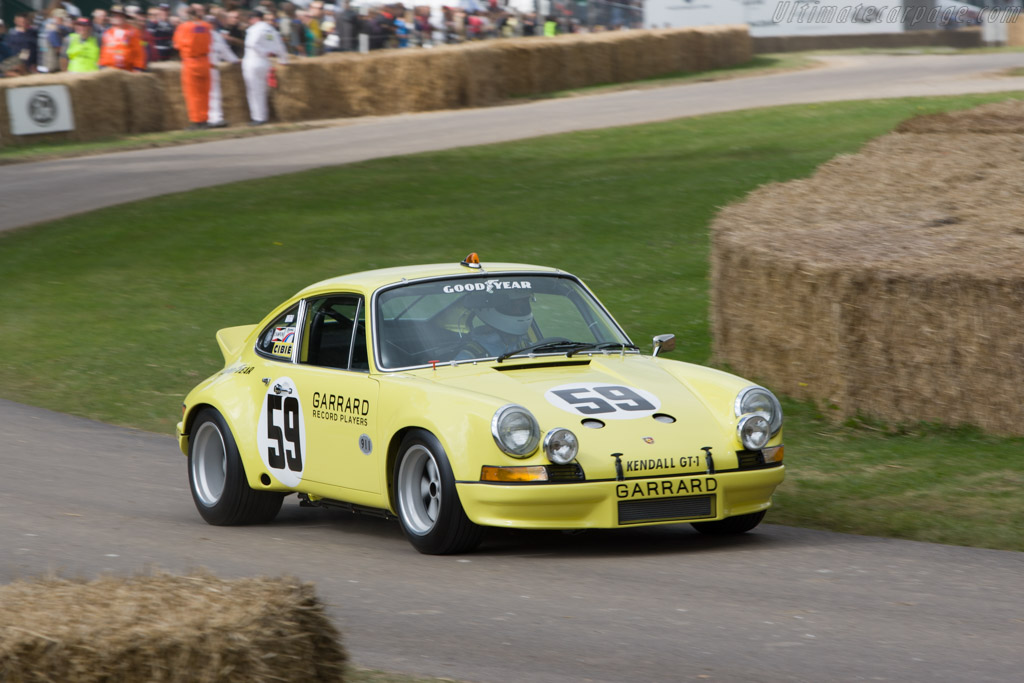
(507, 316)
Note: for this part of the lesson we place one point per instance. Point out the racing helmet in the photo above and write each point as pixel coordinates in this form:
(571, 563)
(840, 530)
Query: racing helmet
(510, 312)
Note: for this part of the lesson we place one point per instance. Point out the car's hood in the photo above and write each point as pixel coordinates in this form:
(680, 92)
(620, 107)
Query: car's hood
(614, 404)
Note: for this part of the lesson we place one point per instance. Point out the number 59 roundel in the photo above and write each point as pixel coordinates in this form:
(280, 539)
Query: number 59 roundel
(605, 401)
(281, 432)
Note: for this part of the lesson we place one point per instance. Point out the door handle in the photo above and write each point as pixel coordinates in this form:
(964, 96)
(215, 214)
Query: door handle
(278, 389)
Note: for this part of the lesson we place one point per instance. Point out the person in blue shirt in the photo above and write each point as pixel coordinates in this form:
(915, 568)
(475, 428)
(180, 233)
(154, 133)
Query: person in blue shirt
(23, 42)
(401, 32)
(5, 52)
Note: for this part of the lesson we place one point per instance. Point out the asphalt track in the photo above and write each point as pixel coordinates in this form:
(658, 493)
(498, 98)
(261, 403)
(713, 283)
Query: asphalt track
(664, 604)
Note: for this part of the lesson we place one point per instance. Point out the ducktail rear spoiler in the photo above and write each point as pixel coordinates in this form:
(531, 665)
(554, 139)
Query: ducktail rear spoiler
(231, 340)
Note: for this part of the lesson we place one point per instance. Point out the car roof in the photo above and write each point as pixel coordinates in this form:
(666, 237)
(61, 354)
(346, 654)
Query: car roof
(371, 280)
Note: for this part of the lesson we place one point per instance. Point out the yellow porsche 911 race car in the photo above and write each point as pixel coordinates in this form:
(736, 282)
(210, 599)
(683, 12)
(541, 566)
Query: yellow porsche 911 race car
(464, 395)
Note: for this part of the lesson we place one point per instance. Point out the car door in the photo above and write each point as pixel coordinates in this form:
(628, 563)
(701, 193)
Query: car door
(337, 395)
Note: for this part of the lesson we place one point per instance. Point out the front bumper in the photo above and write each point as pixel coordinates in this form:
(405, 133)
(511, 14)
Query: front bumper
(618, 504)
(179, 430)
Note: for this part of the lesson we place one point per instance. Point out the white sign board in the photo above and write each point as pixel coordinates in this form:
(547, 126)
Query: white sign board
(781, 17)
(40, 109)
(684, 13)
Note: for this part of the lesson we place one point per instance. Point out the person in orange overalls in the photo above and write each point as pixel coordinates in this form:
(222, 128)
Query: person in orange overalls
(192, 40)
(121, 47)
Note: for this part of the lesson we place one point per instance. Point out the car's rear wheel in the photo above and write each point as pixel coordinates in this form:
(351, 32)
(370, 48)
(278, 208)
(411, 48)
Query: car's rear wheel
(428, 505)
(730, 526)
(217, 478)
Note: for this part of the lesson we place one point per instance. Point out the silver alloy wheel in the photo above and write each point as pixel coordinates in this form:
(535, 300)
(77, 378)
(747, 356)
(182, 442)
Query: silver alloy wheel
(209, 464)
(419, 489)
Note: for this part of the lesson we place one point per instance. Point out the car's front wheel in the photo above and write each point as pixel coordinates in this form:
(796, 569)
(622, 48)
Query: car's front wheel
(428, 504)
(217, 478)
(729, 526)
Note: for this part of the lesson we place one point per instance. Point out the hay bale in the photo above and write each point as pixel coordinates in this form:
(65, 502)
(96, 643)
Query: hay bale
(597, 54)
(144, 103)
(232, 93)
(548, 61)
(168, 74)
(891, 283)
(484, 75)
(1015, 33)
(372, 85)
(99, 103)
(517, 67)
(298, 95)
(403, 80)
(682, 57)
(166, 629)
(699, 50)
(444, 80)
(628, 47)
(337, 98)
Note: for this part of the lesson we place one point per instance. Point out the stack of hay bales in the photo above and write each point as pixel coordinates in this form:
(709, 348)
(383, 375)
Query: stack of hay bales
(484, 73)
(891, 283)
(111, 102)
(165, 628)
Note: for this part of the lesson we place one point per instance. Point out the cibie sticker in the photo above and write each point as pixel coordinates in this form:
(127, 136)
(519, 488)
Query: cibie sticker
(607, 401)
(281, 434)
(282, 340)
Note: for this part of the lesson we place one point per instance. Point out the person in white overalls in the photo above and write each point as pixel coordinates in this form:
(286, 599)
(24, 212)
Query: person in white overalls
(262, 41)
(220, 53)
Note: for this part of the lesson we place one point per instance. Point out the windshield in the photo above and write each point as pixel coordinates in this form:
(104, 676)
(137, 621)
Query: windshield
(487, 316)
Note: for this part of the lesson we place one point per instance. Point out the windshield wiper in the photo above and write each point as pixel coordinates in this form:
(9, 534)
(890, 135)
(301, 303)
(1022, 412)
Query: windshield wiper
(603, 346)
(547, 346)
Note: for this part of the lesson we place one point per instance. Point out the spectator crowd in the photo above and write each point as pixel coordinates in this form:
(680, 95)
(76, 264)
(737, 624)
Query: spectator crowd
(255, 32)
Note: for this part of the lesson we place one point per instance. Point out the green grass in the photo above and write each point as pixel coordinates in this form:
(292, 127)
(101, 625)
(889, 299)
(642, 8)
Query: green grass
(922, 482)
(111, 315)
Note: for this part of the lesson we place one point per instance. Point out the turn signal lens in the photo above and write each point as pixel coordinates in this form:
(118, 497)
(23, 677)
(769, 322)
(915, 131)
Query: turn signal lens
(512, 474)
(773, 454)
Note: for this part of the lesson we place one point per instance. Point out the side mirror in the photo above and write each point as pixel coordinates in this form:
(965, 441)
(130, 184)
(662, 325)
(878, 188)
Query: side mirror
(664, 342)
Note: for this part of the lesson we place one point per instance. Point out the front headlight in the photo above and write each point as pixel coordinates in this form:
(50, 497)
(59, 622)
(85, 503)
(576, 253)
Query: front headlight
(515, 430)
(759, 401)
(561, 446)
(753, 431)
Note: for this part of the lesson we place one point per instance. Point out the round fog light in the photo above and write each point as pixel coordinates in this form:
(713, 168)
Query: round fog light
(561, 446)
(753, 431)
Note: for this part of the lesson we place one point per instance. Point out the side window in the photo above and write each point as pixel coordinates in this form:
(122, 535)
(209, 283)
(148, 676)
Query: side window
(279, 337)
(337, 333)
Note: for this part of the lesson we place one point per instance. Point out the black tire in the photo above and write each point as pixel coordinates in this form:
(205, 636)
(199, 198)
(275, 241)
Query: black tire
(217, 478)
(730, 526)
(428, 505)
